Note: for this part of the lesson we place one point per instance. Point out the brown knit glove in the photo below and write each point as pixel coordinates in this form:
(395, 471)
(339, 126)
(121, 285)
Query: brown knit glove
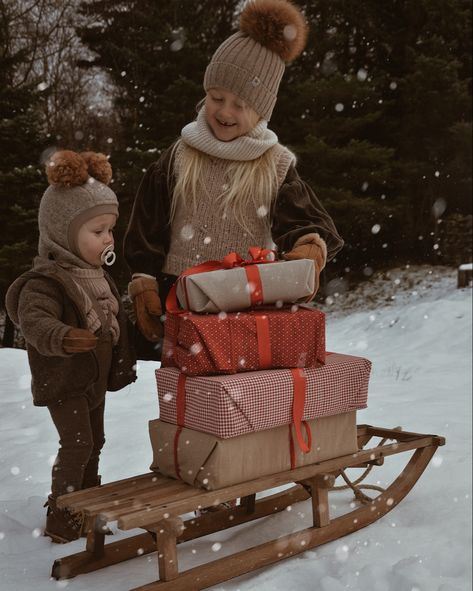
(144, 294)
(79, 340)
(310, 246)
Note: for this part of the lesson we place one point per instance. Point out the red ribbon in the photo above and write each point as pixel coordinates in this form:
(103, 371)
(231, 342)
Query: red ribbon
(230, 261)
(263, 339)
(299, 385)
(298, 402)
(180, 417)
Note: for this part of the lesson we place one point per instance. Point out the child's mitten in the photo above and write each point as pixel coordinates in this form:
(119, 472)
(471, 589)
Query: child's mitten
(79, 340)
(309, 246)
(144, 294)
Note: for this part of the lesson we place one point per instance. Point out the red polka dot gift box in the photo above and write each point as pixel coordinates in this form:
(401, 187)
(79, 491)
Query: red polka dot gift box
(227, 343)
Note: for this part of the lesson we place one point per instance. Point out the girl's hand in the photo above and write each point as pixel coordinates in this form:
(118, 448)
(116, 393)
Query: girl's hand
(310, 246)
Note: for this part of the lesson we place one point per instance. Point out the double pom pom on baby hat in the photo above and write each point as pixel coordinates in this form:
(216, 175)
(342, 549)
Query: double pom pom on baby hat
(71, 169)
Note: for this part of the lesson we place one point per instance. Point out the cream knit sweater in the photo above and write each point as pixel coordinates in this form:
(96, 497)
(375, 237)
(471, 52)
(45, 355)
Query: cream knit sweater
(210, 233)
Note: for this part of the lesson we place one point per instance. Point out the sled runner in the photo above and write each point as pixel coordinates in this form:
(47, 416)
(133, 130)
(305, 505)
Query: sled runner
(156, 504)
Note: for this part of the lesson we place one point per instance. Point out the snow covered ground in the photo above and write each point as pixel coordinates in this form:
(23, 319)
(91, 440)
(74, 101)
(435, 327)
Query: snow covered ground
(415, 326)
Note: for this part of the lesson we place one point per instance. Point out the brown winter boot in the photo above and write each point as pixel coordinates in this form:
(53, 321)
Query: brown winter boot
(61, 526)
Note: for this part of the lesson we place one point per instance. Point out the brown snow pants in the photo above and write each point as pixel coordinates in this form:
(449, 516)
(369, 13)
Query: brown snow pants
(80, 424)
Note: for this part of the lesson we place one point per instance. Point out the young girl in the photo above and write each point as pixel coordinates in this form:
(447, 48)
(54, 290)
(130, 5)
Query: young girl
(76, 331)
(227, 184)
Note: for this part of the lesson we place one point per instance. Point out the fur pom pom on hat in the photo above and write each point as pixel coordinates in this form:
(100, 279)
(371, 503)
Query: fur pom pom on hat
(251, 62)
(77, 192)
(70, 169)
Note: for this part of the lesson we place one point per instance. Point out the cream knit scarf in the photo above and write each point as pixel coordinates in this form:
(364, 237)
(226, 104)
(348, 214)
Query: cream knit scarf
(198, 135)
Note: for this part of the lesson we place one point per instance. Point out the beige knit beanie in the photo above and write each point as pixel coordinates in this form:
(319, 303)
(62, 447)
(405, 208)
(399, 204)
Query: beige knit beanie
(78, 191)
(251, 62)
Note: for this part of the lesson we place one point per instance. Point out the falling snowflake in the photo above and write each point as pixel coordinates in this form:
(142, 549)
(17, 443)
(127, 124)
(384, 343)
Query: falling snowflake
(187, 232)
(339, 107)
(439, 206)
(437, 461)
(290, 32)
(341, 553)
(362, 74)
(250, 287)
(262, 211)
(195, 348)
(177, 45)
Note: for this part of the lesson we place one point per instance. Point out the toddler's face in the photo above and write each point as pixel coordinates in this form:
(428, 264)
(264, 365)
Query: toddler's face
(94, 236)
(227, 115)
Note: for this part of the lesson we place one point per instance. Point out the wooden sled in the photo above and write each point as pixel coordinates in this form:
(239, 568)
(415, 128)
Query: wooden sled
(156, 503)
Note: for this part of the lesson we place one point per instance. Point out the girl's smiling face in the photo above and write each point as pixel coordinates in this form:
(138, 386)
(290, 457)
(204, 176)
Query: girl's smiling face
(228, 116)
(94, 236)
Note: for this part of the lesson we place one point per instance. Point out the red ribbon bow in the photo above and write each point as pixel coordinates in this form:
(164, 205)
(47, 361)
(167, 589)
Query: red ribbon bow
(258, 255)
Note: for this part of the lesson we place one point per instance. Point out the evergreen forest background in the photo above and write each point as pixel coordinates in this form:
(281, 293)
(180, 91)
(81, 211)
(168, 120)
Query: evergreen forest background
(378, 111)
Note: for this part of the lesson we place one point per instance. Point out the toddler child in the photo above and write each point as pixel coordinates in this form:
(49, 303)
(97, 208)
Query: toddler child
(76, 331)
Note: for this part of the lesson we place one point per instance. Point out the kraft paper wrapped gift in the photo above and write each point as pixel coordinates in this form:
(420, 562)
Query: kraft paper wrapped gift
(205, 344)
(231, 405)
(209, 462)
(231, 290)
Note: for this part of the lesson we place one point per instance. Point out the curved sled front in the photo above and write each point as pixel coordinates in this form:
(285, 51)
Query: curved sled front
(155, 503)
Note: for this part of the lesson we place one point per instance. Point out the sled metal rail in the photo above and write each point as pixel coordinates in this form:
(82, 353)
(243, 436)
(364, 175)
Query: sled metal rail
(155, 503)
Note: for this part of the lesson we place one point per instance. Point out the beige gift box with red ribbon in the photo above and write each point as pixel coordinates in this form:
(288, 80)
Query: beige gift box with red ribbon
(206, 461)
(235, 284)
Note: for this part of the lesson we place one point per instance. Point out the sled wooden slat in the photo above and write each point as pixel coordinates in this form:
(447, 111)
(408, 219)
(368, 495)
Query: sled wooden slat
(156, 503)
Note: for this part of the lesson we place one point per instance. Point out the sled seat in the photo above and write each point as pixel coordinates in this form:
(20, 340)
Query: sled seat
(165, 508)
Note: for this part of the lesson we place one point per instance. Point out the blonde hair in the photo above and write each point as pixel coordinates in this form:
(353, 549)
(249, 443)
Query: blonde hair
(251, 184)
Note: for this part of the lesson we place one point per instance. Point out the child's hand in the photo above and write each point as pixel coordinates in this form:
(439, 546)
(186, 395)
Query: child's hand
(144, 294)
(79, 340)
(310, 246)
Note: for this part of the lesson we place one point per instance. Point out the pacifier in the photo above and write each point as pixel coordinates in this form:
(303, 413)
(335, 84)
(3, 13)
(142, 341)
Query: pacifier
(108, 256)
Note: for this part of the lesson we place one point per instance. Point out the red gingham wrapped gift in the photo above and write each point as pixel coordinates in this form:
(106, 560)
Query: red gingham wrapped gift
(231, 405)
(244, 341)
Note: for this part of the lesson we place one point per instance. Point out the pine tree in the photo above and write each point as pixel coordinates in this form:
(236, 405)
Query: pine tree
(21, 180)
(379, 109)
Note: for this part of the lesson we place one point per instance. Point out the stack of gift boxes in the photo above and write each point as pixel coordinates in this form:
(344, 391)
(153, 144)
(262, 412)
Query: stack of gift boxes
(246, 387)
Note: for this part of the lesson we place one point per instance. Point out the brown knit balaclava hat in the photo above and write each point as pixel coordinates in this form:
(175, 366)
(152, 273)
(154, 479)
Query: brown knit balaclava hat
(78, 191)
(251, 62)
